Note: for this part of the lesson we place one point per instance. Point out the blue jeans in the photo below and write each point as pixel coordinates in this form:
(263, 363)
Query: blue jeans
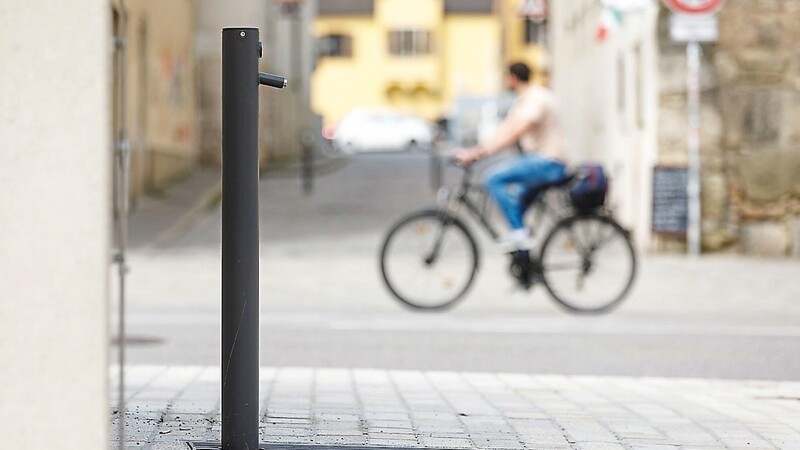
(526, 172)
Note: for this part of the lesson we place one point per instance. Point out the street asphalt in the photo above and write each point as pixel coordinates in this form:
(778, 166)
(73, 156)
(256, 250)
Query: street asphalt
(323, 303)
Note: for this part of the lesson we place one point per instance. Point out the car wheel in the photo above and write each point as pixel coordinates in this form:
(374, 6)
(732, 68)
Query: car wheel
(413, 146)
(344, 147)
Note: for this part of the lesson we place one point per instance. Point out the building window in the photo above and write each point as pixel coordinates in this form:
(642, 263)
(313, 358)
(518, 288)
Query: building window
(410, 42)
(535, 32)
(336, 45)
(468, 6)
(345, 7)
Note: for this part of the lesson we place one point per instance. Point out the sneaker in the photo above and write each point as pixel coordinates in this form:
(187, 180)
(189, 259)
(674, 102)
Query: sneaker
(518, 239)
(510, 246)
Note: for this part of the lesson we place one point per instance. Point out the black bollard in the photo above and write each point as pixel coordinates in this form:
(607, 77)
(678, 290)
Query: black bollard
(240, 81)
(241, 50)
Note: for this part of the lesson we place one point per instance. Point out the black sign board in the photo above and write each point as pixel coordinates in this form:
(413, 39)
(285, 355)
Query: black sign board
(670, 200)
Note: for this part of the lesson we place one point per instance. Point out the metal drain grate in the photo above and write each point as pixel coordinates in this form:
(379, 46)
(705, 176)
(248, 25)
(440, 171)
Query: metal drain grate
(218, 446)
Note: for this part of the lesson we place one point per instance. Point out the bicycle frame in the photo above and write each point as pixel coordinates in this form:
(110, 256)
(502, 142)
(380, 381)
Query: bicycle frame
(553, 203)
(462, 198)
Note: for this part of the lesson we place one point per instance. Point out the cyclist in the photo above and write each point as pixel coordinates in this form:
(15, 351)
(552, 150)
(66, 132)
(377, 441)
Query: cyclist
(533, 124)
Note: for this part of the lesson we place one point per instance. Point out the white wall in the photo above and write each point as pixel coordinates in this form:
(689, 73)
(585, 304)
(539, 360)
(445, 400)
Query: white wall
(609, 101)
(54, 223)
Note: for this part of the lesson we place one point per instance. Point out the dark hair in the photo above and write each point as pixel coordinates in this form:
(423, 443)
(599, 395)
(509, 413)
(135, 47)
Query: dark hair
(521, 71)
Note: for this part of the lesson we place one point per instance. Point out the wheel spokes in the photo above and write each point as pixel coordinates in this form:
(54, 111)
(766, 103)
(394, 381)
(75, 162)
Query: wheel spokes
(588, 263)
(428, 262)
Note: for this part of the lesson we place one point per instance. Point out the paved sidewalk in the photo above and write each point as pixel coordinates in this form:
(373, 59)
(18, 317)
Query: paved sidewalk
(412, 409)
(158, 220)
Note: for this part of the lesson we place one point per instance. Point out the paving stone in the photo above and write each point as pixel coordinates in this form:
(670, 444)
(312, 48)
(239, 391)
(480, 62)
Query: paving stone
(338, 423)
(394, 443)
(449, 410)
(302, 440)
(691, 447)
(497, 443)
(297, 431)
(599, 446)
(285, 420)
(434, 416)
(695, 439)
(338, 432)
(446, 442)
(544, 439)
(565, 446)
(389, 424)
(649, 445)
(340, 440)
(391, 416)
(167, 446)
(402, 436)
(391, 430)
(439, 428)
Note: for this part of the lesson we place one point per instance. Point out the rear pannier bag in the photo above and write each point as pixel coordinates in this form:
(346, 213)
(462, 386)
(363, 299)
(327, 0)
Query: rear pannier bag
(588, 191)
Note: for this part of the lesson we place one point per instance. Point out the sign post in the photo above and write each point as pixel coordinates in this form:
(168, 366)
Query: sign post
(693, 96)
(694, 22)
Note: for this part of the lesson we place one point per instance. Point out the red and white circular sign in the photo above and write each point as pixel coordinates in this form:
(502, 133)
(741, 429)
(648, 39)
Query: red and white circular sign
(694, 6)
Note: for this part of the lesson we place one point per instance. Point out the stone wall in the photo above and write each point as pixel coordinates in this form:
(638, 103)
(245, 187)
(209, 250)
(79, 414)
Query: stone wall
(750, 135)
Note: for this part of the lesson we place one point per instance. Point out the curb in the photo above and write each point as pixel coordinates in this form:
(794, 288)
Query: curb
(213, 195)
(197, 211)
(320, 166)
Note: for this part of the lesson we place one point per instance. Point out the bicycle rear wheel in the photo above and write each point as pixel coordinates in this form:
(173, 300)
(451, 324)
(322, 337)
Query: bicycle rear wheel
(429, 260)
(588, 263)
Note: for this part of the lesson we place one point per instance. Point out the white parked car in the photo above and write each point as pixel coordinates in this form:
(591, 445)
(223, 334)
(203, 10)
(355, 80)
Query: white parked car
(366, 130)
(474, 119)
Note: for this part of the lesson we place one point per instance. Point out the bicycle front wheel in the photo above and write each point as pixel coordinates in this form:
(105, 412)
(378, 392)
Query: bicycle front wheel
(588, 263)
(429, 260)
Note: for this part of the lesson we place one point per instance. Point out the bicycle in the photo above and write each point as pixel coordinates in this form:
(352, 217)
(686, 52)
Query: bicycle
(429, 258)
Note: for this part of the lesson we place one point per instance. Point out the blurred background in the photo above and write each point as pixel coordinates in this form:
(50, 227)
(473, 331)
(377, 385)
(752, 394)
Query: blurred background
(379, 92)
(357, 66)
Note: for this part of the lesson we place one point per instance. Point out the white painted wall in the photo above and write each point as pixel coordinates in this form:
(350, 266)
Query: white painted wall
(54, 223)
(609, 101)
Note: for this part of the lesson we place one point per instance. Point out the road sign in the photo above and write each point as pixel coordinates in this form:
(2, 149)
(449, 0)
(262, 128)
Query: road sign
(694, 6)
(694, 28)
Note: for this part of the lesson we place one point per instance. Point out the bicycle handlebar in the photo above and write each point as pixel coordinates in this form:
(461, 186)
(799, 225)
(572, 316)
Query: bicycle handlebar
(466, 168)
(453, 161)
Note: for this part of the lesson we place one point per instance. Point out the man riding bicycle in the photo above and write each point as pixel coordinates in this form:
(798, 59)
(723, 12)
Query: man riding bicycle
(532, 122)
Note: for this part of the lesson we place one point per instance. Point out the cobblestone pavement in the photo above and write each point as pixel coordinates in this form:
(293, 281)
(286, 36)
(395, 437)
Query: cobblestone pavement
(414, 409)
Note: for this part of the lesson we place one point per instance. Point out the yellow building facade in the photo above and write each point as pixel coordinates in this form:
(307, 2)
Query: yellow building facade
(524, 39)
(411, 55)
(415, 56)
